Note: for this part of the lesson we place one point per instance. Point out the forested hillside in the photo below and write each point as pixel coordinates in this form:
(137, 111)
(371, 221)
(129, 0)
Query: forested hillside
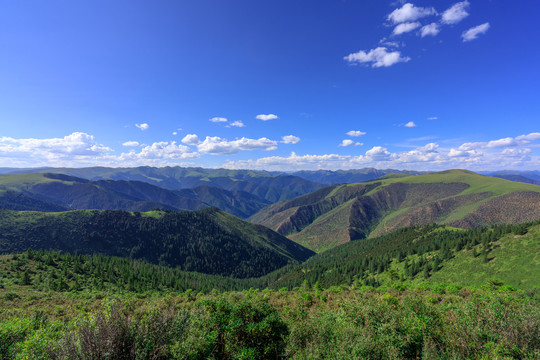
(207, 241)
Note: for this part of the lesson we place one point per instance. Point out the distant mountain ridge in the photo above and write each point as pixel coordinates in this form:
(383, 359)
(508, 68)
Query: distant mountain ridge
(59, 192)
(330, 177)
(341, 213)
(268, 186)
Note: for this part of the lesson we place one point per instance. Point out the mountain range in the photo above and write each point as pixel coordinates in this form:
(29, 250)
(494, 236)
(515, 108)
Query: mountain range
(139, 212)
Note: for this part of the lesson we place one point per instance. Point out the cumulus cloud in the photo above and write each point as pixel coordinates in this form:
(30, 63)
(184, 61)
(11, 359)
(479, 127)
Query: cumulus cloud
(521, 140)
(474, 32)
(455, 13)
(131, 143)
(405, 27)
(143, 126)
(428, 157)
(215, 145)
(349, 142)
(218, 119)
(529, 137)
(75, 144)
(410, 124)
(161, 150)
(266, 117)
(175, 133)
(237, 123)
(431, 29)
(409, 12)
(378, 153)
(355, 133)
(378, 57)
(290, 139)
(516, 152)
(191, 139)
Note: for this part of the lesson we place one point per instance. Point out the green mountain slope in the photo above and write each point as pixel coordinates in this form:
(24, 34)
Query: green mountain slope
(238, 203)
(268, 186)
(208, 241)
(69, 192)
(433, 254)
(341, 213)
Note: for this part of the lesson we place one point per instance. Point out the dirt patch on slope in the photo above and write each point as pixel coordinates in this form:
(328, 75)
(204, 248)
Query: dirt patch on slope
(511, 208)
(430, 213)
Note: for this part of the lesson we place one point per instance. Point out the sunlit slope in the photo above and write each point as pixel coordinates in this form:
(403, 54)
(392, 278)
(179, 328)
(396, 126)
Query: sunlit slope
(460, 198)
(504, 254)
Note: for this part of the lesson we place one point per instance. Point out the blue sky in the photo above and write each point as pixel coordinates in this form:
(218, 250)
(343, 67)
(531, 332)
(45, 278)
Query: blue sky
(274, 85)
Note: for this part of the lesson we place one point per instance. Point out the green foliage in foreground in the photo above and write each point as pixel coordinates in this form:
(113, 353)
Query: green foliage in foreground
(346, 323)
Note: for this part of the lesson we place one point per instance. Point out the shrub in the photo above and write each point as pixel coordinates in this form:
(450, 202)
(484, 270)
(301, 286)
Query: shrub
(12, 332)
(223, 330)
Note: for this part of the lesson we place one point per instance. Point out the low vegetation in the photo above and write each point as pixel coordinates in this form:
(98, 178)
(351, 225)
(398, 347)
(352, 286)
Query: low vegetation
(396, 322)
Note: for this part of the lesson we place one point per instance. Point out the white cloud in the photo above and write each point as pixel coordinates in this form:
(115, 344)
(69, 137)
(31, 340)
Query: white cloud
(216, 145)
(389, 43)
(474, 32)
(217, 119)
(191, 139)
(431, 29)
(405, 27)
(75, 144)
(410, 124)
(502, 143)
(378, 153)
(349, 142)
(529, 137)
(521, 140)
(143, 126)
(519, 153)
(266, 117)
(378, 57)
(455, 13)
(355, 133)
(175, 133)
(131, 143)
(290, 139)
(428, 157)
(433, 118)
(161, 150)
(237, 123)
(409, 12)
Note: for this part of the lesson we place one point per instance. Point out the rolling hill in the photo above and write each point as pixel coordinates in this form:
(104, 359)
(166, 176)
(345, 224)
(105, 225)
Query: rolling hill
(207, 241)
(338, 214)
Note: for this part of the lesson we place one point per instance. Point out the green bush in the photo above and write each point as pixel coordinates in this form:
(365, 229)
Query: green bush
(12, 332)
(220, 329)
